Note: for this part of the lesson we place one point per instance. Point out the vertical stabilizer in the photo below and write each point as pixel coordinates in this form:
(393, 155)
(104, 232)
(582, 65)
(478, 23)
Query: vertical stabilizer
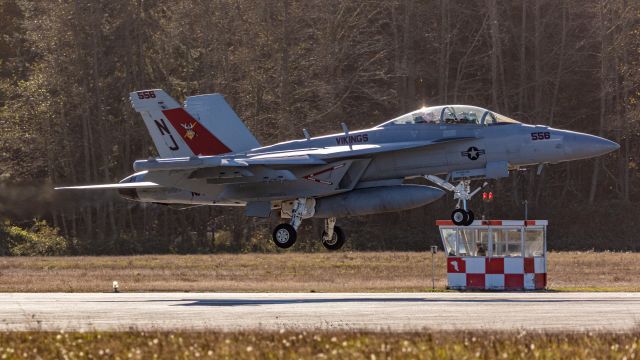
(213, 112)
(174, 131)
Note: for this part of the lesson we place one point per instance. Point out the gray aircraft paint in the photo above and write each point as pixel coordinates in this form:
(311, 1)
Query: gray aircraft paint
(328, 168)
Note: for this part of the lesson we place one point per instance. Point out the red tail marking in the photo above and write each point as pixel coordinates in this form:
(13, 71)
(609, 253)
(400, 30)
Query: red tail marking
(199, 139)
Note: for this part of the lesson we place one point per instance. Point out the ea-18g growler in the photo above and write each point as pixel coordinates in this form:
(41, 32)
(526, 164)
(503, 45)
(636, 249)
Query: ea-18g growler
(208, 157)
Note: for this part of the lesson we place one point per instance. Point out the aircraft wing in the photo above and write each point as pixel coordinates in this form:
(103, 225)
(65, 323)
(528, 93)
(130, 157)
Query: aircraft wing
(261, 167)
(268, 166)
(143, 184)
(195, 163)
(341, 151)
(291, 158)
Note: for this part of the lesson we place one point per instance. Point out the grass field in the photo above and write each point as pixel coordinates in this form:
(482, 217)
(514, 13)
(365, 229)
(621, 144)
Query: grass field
(319, 345)
(291, 272)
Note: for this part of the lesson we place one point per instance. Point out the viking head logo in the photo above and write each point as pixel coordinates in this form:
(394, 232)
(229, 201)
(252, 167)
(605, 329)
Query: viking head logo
(190, 134)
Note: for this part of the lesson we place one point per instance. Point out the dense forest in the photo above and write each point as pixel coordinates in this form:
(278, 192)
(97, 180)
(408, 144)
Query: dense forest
(66, 68)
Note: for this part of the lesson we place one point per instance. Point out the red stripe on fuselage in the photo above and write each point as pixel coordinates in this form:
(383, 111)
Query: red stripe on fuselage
(199, 139)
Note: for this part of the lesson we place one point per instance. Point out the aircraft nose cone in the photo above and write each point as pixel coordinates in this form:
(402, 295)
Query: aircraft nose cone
(583, 146)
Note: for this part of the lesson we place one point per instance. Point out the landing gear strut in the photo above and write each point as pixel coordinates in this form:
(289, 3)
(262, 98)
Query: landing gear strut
(285, 235)
(332, 237)
(462, 192)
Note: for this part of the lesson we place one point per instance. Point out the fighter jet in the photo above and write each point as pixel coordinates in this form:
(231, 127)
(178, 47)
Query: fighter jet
(208, 157)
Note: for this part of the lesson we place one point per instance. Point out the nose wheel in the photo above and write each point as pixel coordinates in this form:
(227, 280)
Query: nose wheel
(461, 217)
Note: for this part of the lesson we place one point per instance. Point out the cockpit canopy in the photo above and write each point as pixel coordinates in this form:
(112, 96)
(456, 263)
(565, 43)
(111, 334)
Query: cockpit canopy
(451, 114)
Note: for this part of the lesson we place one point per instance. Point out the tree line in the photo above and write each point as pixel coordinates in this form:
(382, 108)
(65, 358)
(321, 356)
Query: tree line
(67, 68)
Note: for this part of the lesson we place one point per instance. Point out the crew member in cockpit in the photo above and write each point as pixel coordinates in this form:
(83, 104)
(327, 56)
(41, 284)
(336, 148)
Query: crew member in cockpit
(418, 119)
(430, 118)
(449, 118)
(462, 118)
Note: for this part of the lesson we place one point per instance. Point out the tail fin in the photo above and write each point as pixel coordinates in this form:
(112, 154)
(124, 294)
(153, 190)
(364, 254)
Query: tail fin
(218, 117)
(173, 130)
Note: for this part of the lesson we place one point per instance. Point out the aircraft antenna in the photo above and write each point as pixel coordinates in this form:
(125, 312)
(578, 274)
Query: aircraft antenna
(306, 134)
(346, 134)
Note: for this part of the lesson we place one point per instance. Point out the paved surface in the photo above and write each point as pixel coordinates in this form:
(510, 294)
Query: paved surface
(387, 311)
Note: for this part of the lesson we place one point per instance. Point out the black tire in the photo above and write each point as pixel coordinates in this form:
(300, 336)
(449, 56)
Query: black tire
(459, 217)
(284, 236)
(336, 241)
(470, 218)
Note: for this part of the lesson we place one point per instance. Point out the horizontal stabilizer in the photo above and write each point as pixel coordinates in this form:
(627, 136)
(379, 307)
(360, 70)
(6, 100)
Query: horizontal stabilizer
(144, 184)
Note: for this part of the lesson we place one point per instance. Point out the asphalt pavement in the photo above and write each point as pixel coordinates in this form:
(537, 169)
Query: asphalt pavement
(310, 311)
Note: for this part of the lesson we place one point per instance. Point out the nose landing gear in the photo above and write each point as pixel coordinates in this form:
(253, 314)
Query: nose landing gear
(462, 217)
(462, 192)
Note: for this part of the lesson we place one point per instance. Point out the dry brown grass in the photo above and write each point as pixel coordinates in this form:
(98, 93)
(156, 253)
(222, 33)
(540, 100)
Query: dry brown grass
(318, 345)
(294, 272)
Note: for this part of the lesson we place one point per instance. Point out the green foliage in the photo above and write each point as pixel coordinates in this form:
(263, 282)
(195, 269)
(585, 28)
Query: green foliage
(40, 239)
(66, 69)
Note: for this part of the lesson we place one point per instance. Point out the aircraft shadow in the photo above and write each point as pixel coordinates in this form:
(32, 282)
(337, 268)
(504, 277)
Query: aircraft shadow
(255, 302)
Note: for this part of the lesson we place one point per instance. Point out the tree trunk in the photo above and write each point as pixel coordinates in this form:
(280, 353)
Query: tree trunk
(523, 54)
(603, 97)
(537, 43)
(443, 58)
(495, 51)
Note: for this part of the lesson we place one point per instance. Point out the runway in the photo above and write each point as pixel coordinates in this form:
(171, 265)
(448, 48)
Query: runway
(310, 311)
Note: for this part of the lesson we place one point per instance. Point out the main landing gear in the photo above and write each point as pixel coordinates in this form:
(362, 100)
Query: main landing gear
(332, 237)
(462, 192)
(285, 235)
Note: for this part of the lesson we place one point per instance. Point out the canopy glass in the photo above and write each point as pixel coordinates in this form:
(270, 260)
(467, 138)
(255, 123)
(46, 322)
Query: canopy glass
(451, 114)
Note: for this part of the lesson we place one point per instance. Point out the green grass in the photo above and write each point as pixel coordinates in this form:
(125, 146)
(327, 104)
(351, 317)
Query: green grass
(319, 345)
(291, 272)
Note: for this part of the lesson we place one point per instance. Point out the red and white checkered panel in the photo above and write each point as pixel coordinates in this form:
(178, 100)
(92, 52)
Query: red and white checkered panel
(508, 273)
